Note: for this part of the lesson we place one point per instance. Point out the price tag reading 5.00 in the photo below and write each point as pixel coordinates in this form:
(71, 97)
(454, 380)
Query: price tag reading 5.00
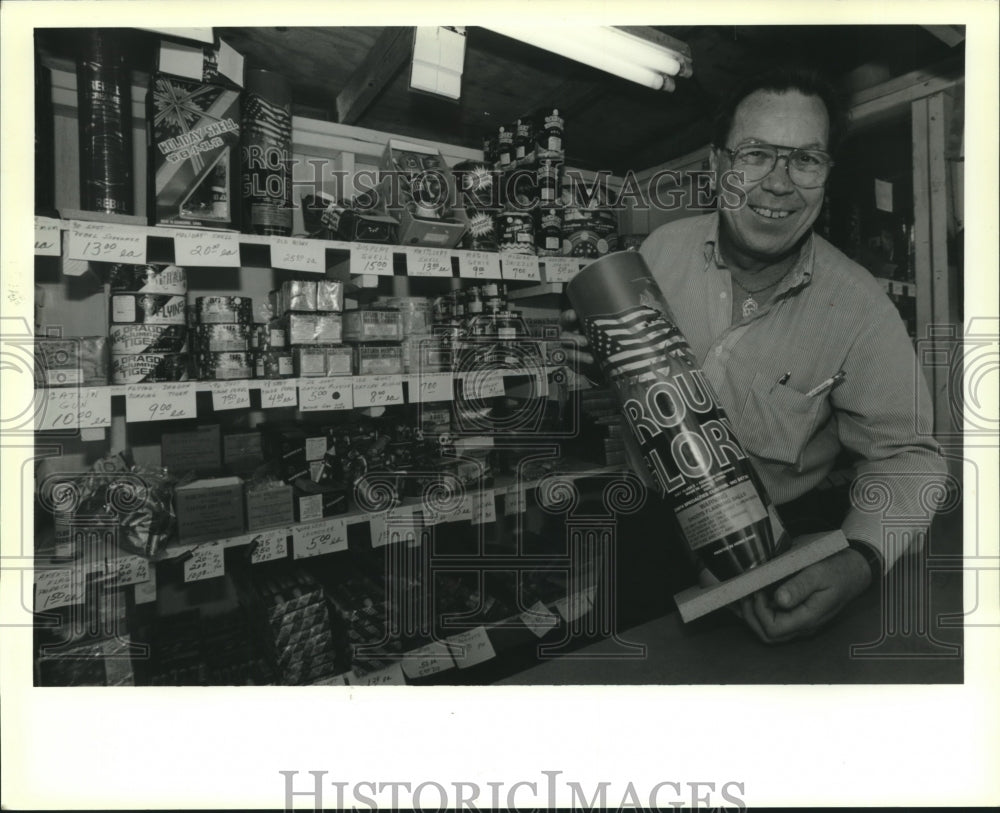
(325, 394)
(371, 258)
(160, 402)
(319, 538)
(479, 265)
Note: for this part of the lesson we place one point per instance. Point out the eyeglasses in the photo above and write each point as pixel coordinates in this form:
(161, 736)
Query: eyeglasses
(806, 168)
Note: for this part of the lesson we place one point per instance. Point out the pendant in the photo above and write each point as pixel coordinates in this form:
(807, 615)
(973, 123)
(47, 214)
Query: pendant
(749, 306)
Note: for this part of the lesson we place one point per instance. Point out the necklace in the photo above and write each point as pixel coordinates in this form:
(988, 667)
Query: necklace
(750, 306)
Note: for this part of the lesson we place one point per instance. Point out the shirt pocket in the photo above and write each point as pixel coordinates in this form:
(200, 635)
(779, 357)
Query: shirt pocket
(778, 420)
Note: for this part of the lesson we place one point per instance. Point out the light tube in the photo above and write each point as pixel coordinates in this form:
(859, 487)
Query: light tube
(629, 47)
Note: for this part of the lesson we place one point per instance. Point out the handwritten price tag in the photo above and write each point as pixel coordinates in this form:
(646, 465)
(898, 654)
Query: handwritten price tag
(100, 242)
(484, 507)
(513, 502)
(230, 395)
(428, 262)
(130, 570)
(390, 676)
(572, 607)
(208, 562)
(561, 269)
(58, 588)
(377, 390)
(206, 248)
(69, 408)
(160, 402)
(520, 267)
(479, 265)
(428, 660)
(483, 384)
(47, 237)
(539, 619)
(145, 592)
(297, 254)
(470, 648)
(274, 394)
(465, 510)
(325, 394)
(430, 387)
(269, 545)
(371, 258)
(318, 539)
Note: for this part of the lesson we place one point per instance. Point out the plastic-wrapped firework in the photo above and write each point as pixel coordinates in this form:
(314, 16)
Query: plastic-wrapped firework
(505, 145)
(104, 106)
(224, 366)
(219, 338)
(265, 153)
(549, 136)
(378, 359)
(516, 232)
(373, 325)
(548, 232)
(237, 310)
(150, 309)
(697, 463)
(329, 296)
(268, 337)
(143, 368)
(147, 279)
(273, 364)
(144, 339)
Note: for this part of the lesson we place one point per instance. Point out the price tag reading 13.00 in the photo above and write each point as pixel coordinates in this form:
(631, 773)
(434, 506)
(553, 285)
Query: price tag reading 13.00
(109, 243)
(479, 265)
(160, 402)
(428, 262)
(297, 254)
(371, 258)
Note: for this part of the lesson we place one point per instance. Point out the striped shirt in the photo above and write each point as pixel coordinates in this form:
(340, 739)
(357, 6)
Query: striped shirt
(828, 314)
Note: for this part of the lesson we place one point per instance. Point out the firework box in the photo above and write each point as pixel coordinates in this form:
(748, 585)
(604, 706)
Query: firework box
(269, 506)
(194, 140)
(242, 451)
(198, 450)
(209, 508)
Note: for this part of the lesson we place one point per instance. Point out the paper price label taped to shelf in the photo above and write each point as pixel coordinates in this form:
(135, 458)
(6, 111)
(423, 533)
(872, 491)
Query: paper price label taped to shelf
(371, 258)
(390, 676)
(514, 502)
(479, 265)
(520, 267)
(274, 394)
(207, 562)
(484, 507)
(539, 619)
(377, 390)
(59, 588)
(318, 539)
(69, 408)
(561, 269)
(470, 648)
(429, 387)
(325, 394)
(428, 262)
(297, 254)
(160, 402)
(213, 249)
(269, 545)
(465, 510)
(106, 243)
(483, 384)
(230, 395)
(130, 570)
(48, 237)
(572, 607)
(145, 592)
(428, 660)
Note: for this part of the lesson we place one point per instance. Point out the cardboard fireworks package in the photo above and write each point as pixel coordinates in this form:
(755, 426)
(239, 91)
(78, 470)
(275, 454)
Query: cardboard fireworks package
(193, 111)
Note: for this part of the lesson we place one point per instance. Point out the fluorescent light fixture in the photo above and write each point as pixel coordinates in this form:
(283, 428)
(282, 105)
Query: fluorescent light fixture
(608, 49)
(438, 61)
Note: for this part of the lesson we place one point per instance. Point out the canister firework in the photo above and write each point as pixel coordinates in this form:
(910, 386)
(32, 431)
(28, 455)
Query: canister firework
(549, 136)
(143, 368)
(688, 444)
(235, 310)
(516, 232)
(548, 180)
(104, 106)
(147, 279)
(219, 338)
(265, 154)
(505, 145)
(271, 364)
(143, 339)
(150, 309)
(524, 140)
(224, 366)
(548, 232)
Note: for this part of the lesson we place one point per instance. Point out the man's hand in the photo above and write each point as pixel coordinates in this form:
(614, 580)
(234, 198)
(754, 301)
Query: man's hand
(576, 346)
(808, 600)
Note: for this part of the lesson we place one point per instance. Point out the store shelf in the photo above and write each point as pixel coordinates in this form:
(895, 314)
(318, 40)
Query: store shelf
(898, 288)
(79, 242)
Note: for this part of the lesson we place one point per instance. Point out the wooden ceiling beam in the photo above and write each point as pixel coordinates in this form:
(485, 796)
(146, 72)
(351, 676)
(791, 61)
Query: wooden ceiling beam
(390, 52)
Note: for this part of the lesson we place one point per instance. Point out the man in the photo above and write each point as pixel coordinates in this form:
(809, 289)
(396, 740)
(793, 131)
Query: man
(807, 355)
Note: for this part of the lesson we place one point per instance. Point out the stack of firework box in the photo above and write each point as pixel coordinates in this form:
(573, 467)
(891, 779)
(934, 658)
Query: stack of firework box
(221, 327)
(307, 314)
(601, 431)
(376, 337)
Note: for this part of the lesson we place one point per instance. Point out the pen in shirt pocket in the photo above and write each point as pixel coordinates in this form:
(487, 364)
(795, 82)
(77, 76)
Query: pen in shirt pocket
(827, 385)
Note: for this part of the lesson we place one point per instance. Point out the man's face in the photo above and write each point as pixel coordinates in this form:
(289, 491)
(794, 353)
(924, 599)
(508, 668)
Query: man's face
(777, 213)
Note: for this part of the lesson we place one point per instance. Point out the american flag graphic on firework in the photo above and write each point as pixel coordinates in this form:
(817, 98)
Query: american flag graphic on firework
(638, 342)
(261, 115)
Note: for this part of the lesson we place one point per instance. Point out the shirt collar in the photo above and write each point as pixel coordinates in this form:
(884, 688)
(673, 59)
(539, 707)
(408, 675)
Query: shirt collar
(800, 274)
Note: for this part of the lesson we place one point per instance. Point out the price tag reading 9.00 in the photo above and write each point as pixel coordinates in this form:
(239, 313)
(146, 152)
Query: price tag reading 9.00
(318, 539)
(160, 402)
(428, 387)
(428, 262)
(561, 269)
(325, 394)
(269, 545)
(371, 258)
(99, 242)
(206, 248)
(47, 237)
(377, 390)
(297, 254)
(479, 265)
(275, 394)
(520, 267)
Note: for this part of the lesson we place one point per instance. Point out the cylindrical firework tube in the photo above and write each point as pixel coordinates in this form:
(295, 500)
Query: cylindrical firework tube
(696, 461)
(266, 154)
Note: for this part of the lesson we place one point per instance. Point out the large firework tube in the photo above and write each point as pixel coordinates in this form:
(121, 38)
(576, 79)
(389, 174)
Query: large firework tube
(686, 440)
(266, 154)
